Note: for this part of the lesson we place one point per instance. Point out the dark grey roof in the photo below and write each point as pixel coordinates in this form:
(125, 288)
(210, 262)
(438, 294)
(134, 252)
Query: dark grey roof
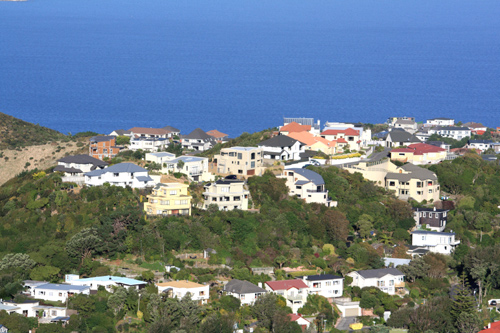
(278, 141)
(311, 175)
(144, 179)
(481, 141)
(441, 119)
(405, 122)
(437, 143)
(426, 232)
(82, 159)
(322, 277)
(419, 209)
(102, 138)
(452, 128)
(171, 129)
(117, 168)
(62, 168)
(402, 136)
(122, 132)
(415, 172)
(242, 287)
(378, 273)
(198, 134)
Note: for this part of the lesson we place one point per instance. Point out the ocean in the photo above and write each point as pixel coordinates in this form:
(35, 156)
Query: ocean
(241, 66)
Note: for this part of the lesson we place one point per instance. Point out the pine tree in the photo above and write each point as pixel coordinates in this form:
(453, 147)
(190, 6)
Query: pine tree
(463, 309)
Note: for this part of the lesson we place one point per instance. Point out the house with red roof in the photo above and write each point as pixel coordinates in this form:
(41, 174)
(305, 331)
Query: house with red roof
(418, 154)
(294, 291)
(315, 143)
(294, 127)
(348, 137)
(218, 135)
(492, 328)
(303, 322)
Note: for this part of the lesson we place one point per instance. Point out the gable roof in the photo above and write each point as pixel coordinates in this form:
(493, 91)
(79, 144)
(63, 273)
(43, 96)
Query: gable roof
(347, 131)
(117, 168)
(419, 149)
(413, 172)
(121, 132)
(102, 138)
(82, 159)
(378, 273)
(242, 287)
(148, 130)
(402, 136)
(181, 284)
(217, 134)
(321, 277)
(278, 141)
(117, 279)
(286, 284)
(295, 127)
(198, 134)
(308, 174)
(66, 287)
(171, 129)
(309, 139)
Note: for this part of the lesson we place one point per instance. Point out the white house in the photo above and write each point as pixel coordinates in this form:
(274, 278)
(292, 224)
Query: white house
(58, 292)
(307, 185)
(30, 308)
(294, 291)
(122, 174)
(365, 134)
(326, 285)
(196, 168)
(406, 124)
(227, 194)
(398, 137)
(75, 166)
(433, 241)
(108, 282)
(198, 140)
(282, 147)
(440, 122)
(303, 322)
(482, 145)
(148, 143)
(179, 289)
(245, 291)
(457, 133)
(389, 280)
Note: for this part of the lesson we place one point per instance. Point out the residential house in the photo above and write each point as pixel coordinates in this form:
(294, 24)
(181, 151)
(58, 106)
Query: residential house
(457, 133)
(349, 136)
(31, 308)
(172, 131)
(121, 174)
(103, 147)
(294, 127)
(482, 145)
(433, 241)
(198, 140)
(245, 291)
(411, 181)
(476, 128)
(430, 218)
(121, 132)
(365, 134)
(388, 280)
(150, 144)
(219, 136)
(440, 122)
(392, 120)
(398, 138)
(169, 199)
(194, 167)
(326, 285)
(3, 329)
(146, 132)
(301, 321)
(244, 161)
(160, 157)
(294, 291)
(179, 289)
(440, 144)
(496, 147)
(408, 125)
(282, 147)
(307, 185)
(58, 292)
(227, 194)
(493, 327)
(314, 126)
(75, 166)
(107, 281)
(419, 153)
(315, 143)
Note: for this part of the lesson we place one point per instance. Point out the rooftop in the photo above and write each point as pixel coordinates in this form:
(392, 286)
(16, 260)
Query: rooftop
(286, 284)
(217, 134)
(148, 130)
(378, 273)
(308, 174)
(180, 284)
(278, 141)
(295, 127)
(321, 277)
(65, 287)
(242, 287)
(426, 232)
(117, 279)
(117, 168)
(82, 159)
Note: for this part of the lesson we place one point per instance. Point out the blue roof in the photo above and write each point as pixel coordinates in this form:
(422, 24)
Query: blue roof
(117, 168)
(162, 154)
(117, 279)
(311, 175)
(60, 319)
(65, 287)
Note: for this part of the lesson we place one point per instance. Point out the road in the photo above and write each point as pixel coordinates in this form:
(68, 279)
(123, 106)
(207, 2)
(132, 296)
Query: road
(378, 156)
(344, 323)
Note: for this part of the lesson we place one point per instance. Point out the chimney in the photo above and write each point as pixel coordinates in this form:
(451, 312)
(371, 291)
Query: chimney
(260, 284)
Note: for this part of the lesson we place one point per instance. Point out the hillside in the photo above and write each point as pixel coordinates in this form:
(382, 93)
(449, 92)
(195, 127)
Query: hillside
(16, 133)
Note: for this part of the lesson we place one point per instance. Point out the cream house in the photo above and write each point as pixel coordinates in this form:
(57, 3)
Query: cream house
(307, 185)
(227, 194)
(179, 289)
(169, 199)
(244, 161)
(419, 153)
(411, 181)
(388, 280)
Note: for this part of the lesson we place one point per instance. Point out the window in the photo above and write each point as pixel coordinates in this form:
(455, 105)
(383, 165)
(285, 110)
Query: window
(252, 165)
(60, 294)
(165, 202)
(391, 282)
(240, 156)
(392, 183)
(328, 283)
(173, 192)
(116, 174)
(224, 189)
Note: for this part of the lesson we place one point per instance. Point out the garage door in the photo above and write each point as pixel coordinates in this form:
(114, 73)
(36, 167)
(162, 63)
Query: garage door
(353, 312)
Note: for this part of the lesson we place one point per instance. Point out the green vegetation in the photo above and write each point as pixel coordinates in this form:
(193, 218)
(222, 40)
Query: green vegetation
(15, 133)
(244, 140)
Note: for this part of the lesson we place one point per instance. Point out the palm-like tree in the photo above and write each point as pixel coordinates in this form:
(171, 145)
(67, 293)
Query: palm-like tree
(385, 238)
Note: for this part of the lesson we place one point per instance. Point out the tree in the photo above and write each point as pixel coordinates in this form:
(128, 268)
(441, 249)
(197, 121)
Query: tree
(230, 303)
(280, 260)
(463, 309)
(267, 310)
(44, 273)
(83, 244)
(217, 323)
(18, 261)
(365, 225)
(147, 276)
(117, 300)
(180, 165)
(417, 268)
(122, 140)
(337, 225)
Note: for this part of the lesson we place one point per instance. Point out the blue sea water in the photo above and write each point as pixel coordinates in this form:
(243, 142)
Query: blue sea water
(241, 65)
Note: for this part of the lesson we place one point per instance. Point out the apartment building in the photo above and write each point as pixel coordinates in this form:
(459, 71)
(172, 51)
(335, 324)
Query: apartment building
(102, 146)
(244, 161)
(227, 194)
(169, 199)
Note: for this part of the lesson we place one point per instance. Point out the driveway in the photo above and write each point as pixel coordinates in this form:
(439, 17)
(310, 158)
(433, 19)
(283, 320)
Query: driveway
(345, 322)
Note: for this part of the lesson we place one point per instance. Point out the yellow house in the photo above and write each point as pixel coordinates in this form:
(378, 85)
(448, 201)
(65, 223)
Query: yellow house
(419, 153)
(169, 199)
